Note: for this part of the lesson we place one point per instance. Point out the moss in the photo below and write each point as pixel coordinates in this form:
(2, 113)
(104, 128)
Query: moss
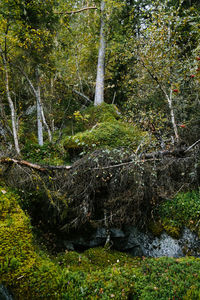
(102, 113)
(101, 127)
(155, 227)
(192, 293)
(95, 274)
(182, 211)
(173, 231)
(104, 135)
(101, 257)
(26, 274)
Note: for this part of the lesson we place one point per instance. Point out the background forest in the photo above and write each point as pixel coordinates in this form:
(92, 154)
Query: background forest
(49, 75)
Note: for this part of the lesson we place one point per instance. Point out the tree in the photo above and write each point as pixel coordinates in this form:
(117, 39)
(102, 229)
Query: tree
(10, 101)
(162, 64)
(29, 32)
(99, 91)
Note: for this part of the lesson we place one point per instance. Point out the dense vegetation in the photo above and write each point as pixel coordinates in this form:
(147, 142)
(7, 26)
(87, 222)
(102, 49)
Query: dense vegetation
(95, 274)
(99, 105)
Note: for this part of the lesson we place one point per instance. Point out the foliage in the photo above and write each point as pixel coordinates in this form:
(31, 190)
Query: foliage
(46, 154)
(183, 210)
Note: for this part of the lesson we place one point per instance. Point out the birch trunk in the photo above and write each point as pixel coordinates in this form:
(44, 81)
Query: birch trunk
(41, 106)
(169, 100)
(39, 114)
(11, 105)
(99, 91)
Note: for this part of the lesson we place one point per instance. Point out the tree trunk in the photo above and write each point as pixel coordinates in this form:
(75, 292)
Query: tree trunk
(169, 100)
(39, 113)
(11, 105)
(99, 92)
(40, 110)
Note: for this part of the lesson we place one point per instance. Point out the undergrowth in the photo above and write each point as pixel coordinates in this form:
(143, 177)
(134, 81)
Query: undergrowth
(175, 214)
(98, 273)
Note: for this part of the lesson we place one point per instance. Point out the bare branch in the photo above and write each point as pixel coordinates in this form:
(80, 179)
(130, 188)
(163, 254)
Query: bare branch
(193, 145)
(82, 95)
(77, 11)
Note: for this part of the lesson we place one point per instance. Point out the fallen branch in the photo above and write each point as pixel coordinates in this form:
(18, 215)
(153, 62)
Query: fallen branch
(145, 157)
(160, 154)
(31, 165)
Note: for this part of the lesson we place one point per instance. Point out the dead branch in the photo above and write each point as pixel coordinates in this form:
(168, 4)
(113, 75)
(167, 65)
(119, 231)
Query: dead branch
(193, 145)
(145, 157)
(31, 165)
(82, 95)
(77, 11)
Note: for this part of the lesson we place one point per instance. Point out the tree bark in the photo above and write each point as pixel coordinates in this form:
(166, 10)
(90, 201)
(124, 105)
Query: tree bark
(40, 112)
(169, 100)
(99, 91)
(11, 105)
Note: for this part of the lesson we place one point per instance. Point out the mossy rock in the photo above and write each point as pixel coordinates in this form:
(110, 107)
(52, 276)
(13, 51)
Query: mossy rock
(104, 135)
(101, 127)
(22, 270)
(102, 113)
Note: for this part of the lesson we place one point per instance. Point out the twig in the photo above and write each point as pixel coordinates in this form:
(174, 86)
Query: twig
(114, 96)
(193, 145)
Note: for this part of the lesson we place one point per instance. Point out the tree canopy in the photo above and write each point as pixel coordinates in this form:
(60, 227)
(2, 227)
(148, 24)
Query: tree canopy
(150, 66)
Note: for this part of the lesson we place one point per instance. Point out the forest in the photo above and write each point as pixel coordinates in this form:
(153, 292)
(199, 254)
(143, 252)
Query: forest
(99, 149)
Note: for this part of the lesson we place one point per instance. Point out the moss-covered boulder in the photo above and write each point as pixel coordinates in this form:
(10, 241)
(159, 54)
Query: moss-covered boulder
(104, 135)
(27, 274)
(96, 114)
(103, 130)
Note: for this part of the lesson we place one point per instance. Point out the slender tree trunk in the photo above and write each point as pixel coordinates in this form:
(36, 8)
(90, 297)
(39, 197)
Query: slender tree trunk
(44, 121)
(173, 121)
(11, 105)
(40, 108)
(169, 100)
(39, 113)
(99, 92)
